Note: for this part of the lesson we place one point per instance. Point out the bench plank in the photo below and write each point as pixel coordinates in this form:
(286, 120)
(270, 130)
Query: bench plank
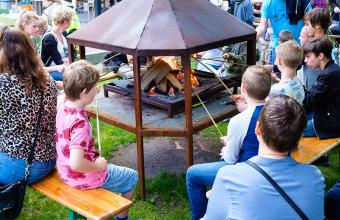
(94, 204)
(311, 149)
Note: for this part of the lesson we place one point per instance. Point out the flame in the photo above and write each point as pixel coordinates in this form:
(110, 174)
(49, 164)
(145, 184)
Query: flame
(172, 61)
(152, 90)
(194, 80)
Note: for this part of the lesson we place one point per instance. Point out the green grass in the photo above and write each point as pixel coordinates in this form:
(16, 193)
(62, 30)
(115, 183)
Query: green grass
(111, 138)
(166, 194)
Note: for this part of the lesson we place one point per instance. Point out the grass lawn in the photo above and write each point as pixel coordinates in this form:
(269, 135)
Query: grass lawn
(166, 198)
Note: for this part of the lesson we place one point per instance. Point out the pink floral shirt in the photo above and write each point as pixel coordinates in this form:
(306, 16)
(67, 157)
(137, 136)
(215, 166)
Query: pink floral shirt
(74, 132)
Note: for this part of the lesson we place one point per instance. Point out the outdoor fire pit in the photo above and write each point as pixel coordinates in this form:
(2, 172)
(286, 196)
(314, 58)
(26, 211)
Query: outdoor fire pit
(146, 28)
(172, 102)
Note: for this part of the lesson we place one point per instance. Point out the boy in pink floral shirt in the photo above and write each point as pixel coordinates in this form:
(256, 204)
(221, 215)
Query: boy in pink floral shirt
(78, 162)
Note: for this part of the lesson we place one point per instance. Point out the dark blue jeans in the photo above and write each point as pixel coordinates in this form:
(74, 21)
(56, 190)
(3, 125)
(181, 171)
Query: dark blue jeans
(13, 169)
(198, 177)
(57, 76)
(332, 202)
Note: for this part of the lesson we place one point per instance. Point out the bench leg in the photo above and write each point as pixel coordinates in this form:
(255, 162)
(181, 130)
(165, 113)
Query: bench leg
(72, 215)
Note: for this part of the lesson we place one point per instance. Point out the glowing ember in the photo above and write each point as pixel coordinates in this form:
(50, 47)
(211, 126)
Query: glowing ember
(171, 91)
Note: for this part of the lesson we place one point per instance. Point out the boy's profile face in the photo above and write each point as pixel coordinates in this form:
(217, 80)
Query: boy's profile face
(310, 29)
(90, 95)
(312, 60)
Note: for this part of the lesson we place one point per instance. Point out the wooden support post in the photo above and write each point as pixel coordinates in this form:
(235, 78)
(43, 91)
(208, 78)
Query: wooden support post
(188, 109)
(82, 52)
(251, 51)
(70, 52)
(139, 125)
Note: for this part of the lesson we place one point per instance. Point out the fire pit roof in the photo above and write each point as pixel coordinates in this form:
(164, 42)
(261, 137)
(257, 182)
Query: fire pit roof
(162, 27)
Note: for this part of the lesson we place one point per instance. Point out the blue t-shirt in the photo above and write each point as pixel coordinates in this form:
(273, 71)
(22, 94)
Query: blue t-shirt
(292, 88)
(241, 192)
(275, 11)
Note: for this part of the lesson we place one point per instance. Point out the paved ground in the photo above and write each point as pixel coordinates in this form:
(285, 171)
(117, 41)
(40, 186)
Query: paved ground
(166, 154)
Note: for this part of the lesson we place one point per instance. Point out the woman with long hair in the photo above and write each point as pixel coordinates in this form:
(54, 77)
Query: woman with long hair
(22, 83)
(31, 24)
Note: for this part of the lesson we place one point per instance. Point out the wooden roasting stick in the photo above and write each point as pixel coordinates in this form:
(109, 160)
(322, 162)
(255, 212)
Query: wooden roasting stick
(215, 73)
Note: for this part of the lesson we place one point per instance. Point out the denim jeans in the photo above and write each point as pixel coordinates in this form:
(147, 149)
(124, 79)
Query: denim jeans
(309, 130)
(198, 177)
(13, 169)
(332, 202)
(57, 76)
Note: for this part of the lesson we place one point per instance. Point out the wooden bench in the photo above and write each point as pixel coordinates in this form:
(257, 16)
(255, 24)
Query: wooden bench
(92, 204)
(310, 149)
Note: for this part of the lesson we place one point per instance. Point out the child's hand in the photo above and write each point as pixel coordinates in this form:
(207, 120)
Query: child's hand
(222, 151)
(101, 163)
(240, 101)
(224, 140)
(226, 56)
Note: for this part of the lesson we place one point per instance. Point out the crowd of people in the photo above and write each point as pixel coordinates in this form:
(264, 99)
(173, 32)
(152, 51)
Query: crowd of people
(296, 94)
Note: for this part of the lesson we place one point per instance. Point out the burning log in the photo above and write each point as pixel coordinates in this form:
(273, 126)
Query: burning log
(157, 72)
(175, 82)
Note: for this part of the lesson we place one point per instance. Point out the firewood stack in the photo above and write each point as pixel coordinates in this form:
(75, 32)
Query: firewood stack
(165, 78)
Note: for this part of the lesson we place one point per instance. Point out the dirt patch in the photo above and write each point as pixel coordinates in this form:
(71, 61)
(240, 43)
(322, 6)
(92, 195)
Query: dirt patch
(166, 154)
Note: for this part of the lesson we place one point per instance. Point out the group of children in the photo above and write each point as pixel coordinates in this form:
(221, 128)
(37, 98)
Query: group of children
(316, 89)
(270, 130)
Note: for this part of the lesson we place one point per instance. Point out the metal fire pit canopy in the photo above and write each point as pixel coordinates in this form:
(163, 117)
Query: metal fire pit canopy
(162, 27)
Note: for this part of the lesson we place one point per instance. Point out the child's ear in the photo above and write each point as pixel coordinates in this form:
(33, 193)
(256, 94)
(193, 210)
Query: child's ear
(321, 56)
(258, 129)
(279, 61)
(83, 92)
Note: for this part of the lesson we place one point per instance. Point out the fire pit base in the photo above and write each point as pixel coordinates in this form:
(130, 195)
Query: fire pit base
(172, 104)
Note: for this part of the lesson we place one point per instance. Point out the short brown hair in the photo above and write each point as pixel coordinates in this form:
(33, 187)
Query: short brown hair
(291, 53)
(78, 76)
(319, 16)
(317, 46)
(285, 35)
(282, 121)
(257, 81)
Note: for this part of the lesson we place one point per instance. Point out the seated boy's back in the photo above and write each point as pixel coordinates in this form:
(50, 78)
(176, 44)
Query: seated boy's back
(238, 193)
(79, 163)
(289, 56)
(74, 131)
(241, 192)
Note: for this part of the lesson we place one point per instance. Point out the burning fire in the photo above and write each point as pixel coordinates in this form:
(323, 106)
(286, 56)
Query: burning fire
(194, 79)
(167, 76)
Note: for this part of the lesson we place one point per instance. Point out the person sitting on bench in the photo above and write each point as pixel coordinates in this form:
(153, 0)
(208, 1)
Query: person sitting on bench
(323, 98)
(79, 163)
(241, 192)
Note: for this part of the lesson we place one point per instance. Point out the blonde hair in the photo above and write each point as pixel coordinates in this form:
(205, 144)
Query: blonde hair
(78, 76)
(43, 24)
(291, 53)
(25, 18)
(257, 82)
(62, 14)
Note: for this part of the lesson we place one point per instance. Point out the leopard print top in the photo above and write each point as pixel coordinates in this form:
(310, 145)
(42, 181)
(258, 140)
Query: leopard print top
(19, 113)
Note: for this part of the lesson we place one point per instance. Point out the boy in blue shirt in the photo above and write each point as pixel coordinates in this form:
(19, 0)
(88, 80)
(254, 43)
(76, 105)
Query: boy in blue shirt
(241, 192)
(240, 142)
